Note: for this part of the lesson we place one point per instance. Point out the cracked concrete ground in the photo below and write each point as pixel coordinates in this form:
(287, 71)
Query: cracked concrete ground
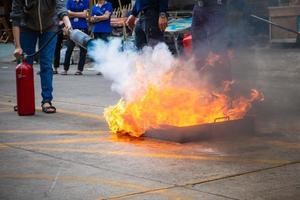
(72, 155)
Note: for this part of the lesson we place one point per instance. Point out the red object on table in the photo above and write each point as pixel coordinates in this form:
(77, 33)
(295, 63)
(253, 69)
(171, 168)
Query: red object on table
(187, 43)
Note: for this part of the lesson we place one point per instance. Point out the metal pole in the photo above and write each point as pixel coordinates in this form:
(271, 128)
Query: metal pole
(276, 25)
(123, 24)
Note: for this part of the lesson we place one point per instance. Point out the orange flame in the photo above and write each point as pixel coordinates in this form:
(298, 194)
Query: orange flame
(177, 105)
(174, 106)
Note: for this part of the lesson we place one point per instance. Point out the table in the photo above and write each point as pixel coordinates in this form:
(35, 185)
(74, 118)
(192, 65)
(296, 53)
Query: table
(178, 26)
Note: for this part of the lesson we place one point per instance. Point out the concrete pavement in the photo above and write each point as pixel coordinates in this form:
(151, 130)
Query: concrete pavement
(72, 155)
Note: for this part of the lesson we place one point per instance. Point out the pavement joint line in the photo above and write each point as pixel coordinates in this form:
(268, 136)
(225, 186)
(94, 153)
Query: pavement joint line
(161, 190)
(88, 180)
(82, 163)
(53, 183)
(79, 114)
(139, 193)
(164, 191)
(187, 185)
(215, 194)
(242, 173)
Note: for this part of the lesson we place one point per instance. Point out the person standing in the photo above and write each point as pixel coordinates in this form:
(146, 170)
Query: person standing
(149, 29)
(77, 11)
(33, 21)
(100, 17)
(210, 36)
(56, 62)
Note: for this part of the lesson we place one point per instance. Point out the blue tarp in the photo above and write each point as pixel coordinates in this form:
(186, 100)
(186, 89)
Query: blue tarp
(179, 25)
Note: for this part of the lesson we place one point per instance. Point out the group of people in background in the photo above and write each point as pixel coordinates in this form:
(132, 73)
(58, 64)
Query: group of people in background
(99, 18)
(148, 30)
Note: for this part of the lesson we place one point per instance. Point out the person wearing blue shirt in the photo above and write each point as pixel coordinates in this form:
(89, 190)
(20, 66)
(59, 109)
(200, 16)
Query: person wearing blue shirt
(100, 17)
(77, 11)
(149, 29)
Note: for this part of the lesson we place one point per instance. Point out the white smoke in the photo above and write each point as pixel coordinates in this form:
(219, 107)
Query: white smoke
(131, 71)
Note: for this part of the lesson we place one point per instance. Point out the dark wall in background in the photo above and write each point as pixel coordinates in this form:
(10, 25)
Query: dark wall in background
(7, 9)
(115, 3)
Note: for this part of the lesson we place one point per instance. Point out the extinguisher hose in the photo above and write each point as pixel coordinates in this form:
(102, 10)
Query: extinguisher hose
(44, 45)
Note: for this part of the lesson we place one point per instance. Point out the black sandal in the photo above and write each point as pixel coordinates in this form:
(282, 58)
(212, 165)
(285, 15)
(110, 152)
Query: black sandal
(48, 109)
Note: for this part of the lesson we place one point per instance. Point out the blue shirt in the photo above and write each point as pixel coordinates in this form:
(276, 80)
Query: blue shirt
(161, 5)
(78, 6)
(102, 26)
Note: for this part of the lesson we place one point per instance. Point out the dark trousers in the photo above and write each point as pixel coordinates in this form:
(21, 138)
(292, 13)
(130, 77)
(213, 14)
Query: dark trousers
(102, 36)
(147, 31)
(58, 46)
(209, 28)
(82, 55)
(209, 37)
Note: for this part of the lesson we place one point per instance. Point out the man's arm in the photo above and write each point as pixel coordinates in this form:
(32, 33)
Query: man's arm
(63, 15)
(103, 17)
(16, 12)
(77, 14)
(18, 50)
(130, 22)
(82, 14)
(60, 9)
(16, 15)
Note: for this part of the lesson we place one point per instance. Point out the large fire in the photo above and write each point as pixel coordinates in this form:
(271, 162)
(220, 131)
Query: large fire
(177, 105)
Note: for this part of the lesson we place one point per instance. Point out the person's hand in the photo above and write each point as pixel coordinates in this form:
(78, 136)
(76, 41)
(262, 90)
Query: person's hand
(162, 23)
(92, 19)
(18, 52)
(130, 22)
(67, 24)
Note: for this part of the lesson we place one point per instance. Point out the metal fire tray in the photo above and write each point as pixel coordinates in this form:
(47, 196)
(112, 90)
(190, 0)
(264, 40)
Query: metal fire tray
(216, 130)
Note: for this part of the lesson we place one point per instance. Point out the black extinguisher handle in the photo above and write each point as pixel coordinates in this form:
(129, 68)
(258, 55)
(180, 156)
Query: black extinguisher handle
(22, 58)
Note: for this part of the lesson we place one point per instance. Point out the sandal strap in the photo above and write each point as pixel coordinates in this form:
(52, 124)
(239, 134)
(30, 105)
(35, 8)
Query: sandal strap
(46, 109)
(49, 102)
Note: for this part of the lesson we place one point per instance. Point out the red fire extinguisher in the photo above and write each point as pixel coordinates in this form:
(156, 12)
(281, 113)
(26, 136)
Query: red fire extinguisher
(25, 89)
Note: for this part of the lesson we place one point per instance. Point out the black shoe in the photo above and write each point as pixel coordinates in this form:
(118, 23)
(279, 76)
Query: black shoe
(64, 73)
(78, 73)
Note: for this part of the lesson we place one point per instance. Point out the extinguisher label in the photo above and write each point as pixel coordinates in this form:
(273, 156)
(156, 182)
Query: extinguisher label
(21, 76)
